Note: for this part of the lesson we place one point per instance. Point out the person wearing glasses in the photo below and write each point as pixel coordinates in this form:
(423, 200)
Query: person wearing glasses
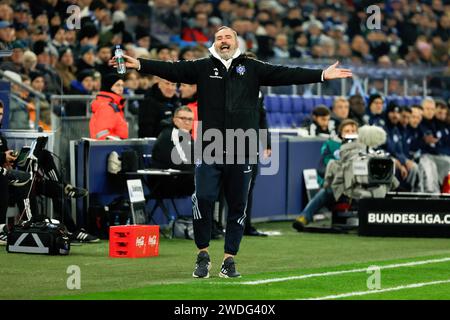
(173, 149)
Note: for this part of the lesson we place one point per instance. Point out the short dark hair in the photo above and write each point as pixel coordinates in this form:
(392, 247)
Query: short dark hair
(1, 104)
(321, 111)
(406, 109)
(441, 104)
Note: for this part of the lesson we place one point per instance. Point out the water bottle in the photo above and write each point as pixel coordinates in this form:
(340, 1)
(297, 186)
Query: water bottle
(121, 69)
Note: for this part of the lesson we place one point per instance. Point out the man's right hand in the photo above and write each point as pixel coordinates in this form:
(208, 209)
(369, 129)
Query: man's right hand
(10, 157)
(130, 62)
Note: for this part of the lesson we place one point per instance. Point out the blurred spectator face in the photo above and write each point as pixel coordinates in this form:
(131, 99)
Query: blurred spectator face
(225, 6)
(341, 108)
(225, 43)
(17, 55)
(60, 35)
(441, 113)
(263, 16)
(394, 117)
(67, 58)
(41, 20)
(357, 104)
(7, 34)
(405, 118)
(101, 14)
(132, 81)
(70, 36)
(174, 54)
(344, 50)
(271, 30)
(281, 41)
(349, 129)
(38, 84)
(104, 54)
(44, 58)
(429, 109)
(384, 62)
(89, 57)
(22, 15)
(6, 12)
(201, 20)
(188, 55)
(322, 121)
(377, 106)
(168, 89)
(302, 40)
(1, 112)
(183, 120)
(416, 117)
(164, 55)
(187, 90)
(144, 42)
(117, 87)
(88, 83)
(29, 60)
(144, 83)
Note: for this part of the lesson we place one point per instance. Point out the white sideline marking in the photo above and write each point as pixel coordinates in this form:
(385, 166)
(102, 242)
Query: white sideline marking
(362, 293)
(332, 273)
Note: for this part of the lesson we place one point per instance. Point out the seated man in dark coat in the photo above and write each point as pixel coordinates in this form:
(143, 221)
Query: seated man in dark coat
(172, 151)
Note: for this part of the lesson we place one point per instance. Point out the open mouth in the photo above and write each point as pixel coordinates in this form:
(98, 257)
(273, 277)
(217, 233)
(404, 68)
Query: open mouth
(225, 47)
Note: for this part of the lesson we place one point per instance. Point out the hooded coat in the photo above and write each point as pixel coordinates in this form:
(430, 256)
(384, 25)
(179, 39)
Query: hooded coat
(108, 118)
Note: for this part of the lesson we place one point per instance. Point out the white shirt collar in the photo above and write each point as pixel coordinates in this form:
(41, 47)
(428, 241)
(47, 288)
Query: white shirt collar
(226, 63)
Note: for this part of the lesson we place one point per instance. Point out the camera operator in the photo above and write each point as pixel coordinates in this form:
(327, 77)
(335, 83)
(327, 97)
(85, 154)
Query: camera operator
(329, 152)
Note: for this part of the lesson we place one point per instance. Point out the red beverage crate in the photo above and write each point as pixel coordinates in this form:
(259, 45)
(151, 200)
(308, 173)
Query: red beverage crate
(133, 241)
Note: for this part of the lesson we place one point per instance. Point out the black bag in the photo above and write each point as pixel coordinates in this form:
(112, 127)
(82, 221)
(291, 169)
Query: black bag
(131, 161)
(183, 228)
(43, 237)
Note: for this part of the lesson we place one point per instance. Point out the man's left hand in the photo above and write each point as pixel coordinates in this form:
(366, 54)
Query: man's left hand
(332, 72)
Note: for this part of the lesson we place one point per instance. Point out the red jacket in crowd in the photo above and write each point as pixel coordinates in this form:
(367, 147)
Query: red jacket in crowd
(108, 119)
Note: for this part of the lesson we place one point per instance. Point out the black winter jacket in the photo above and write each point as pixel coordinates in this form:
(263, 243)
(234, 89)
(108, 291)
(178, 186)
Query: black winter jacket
(154, 109)
(229, 99)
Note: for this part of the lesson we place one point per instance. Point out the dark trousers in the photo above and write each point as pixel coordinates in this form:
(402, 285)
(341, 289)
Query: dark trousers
(248, 212)
(236, 179)
(4, 198)
(48, 183)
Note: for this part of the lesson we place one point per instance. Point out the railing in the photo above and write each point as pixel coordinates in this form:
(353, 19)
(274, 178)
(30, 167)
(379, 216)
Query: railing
(37, 96)
(69, 128)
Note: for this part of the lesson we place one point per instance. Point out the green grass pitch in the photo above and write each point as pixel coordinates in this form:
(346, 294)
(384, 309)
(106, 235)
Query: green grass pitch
(292, 254)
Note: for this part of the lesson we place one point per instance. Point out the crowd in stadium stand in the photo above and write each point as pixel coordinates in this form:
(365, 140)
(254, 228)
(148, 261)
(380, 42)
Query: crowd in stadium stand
(55, 53)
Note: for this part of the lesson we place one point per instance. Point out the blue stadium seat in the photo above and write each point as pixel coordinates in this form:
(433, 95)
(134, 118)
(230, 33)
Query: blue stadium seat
(317, 100)
(285, 103)
(418, 99)
(328, 101)
(274, 120)
(286, 120)
(272, 103)
(308, 105)
(297, 104)
(401, 101)
(298, 119)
